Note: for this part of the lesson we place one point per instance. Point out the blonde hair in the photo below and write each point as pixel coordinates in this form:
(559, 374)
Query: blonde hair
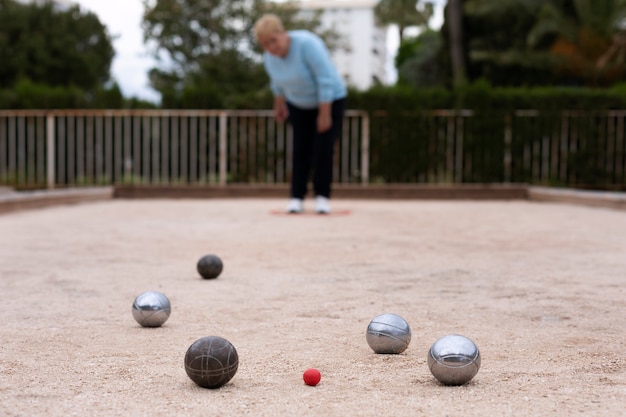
(268, 24)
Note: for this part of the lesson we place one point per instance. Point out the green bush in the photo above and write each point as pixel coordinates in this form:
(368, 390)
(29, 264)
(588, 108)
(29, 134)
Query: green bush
(26, 94)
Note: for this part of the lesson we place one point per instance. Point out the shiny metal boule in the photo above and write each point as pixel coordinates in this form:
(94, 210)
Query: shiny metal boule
(151, 309)
(388, 333)
(454, 360)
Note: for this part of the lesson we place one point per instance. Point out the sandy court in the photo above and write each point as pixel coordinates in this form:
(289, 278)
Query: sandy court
(539, 287)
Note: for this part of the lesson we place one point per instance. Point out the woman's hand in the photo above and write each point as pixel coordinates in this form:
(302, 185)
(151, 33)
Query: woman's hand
(280, 109)
(324, 121)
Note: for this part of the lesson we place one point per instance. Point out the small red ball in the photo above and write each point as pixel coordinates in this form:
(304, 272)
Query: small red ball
(312, 377)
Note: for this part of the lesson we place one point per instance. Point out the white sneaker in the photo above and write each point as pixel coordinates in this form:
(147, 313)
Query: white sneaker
(295, 206)
(322, 205)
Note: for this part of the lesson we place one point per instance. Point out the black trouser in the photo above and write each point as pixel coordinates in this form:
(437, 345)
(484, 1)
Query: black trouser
(312, 149)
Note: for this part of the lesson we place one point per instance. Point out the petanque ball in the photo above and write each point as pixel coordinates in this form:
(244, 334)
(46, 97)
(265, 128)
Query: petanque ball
(210, 266)
(388, 333)
(454, 359)
(211, 361)
(312, 377)
(151, 309)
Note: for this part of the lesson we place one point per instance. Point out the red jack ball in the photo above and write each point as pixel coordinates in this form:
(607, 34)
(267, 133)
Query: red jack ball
(311, 377)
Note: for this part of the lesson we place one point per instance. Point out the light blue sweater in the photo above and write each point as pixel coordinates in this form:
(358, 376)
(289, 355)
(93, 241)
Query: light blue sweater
(306, 76)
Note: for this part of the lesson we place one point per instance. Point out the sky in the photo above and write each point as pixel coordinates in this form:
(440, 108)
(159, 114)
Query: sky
(132, 61)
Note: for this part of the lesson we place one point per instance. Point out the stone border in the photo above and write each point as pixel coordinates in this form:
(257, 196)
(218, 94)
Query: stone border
(13, 201)
(607, 199)
(340, 191)
(23, 200)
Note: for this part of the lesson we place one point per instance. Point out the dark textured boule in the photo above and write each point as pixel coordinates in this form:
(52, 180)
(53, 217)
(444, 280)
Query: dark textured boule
(210, 266)
(211, 361)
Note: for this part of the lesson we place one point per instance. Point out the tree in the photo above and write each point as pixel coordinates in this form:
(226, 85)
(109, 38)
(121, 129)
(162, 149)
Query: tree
(454, 16)
(490, 43)
(53, 45)
(585, 38)
(417, 61)
(539, 42)
(404, 13)
(208, 45)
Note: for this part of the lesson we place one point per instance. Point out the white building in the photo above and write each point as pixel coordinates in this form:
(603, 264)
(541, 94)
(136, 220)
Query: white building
(362, 62)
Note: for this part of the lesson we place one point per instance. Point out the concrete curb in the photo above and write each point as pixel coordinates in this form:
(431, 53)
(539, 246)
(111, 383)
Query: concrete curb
(11, 201)
(24, 200)
(607, 199)
(340, 191)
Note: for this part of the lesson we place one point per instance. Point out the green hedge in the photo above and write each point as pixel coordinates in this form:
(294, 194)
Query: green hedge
(26, 94)
(481, 96)
(478, 96)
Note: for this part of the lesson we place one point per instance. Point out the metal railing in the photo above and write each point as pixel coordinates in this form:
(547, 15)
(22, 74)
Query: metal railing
(65, 148)
(91, 147)
(578, 148)
(563, 148)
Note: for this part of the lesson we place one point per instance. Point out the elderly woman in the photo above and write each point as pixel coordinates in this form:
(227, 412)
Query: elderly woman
(310, 93)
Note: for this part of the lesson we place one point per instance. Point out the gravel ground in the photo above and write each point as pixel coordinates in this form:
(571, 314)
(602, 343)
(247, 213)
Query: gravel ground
(538, 286)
